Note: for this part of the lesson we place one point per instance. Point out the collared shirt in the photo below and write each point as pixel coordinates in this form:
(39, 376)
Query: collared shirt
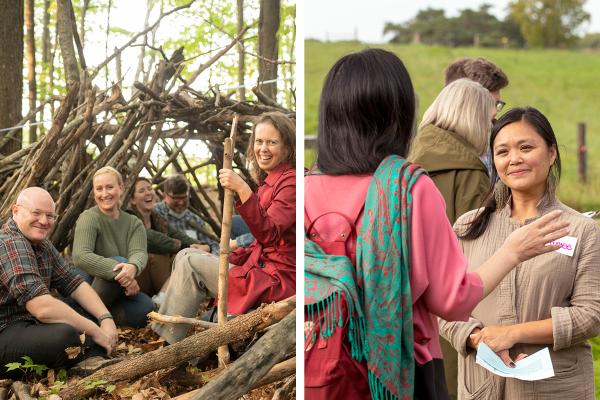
(187, 222)
(29, 270)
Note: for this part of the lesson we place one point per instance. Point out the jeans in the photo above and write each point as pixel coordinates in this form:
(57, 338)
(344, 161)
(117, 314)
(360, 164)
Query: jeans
(126, 310)
(240, 232)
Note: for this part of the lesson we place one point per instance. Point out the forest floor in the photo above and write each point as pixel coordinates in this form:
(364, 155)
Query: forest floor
(159, 385)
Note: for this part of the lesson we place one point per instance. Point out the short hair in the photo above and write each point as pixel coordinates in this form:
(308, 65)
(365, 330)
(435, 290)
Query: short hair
(286, 128)
(465, 108)
(481, 70)
(367, 113)
(109, 170)
(176, 184)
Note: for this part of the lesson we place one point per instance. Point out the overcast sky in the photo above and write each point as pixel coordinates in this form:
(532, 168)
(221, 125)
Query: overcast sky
(364, 19)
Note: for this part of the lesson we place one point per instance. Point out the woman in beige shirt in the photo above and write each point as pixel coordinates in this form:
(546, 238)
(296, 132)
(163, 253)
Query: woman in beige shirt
(550, 301)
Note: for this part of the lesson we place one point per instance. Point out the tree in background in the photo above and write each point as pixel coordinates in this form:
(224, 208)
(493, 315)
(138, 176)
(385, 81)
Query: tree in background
(268, 25)
(549, 23)
(11, 68)
(469, 28)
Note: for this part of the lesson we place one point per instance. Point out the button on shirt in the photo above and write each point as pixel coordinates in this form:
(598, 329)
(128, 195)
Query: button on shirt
(29, 270)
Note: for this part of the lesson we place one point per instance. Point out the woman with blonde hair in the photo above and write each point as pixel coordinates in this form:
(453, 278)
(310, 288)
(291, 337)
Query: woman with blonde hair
(452, 136)
(110, 245)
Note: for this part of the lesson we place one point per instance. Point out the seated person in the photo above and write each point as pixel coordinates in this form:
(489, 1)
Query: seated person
(266, 270)
(174, 208)
(32, 322)
(164, 241)
(110, 245)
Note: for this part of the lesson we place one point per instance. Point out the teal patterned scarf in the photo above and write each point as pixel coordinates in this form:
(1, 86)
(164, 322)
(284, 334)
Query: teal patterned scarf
(377, 291)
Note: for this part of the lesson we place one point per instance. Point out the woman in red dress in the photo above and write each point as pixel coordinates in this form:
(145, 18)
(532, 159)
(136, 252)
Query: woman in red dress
(266, 270)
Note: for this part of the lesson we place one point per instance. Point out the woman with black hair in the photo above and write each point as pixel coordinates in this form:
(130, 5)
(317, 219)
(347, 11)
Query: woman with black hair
(550, 301)
(381, 259)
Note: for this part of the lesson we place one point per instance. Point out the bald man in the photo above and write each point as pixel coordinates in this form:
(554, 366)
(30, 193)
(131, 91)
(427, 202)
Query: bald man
(32, 322)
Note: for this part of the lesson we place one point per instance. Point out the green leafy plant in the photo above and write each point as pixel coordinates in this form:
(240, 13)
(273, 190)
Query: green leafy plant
(27, 366)
(100, 384)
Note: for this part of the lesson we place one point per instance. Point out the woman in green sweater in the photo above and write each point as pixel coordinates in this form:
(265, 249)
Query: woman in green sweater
(163, 240)
(110, 245)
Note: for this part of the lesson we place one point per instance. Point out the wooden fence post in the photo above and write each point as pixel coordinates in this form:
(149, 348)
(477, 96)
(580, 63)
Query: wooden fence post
(581, 152)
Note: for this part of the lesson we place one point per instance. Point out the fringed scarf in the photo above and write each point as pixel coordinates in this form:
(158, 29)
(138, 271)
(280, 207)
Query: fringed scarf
(377, 290)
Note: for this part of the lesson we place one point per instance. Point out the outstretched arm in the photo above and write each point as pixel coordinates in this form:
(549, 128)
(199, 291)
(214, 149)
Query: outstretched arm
(48, 310)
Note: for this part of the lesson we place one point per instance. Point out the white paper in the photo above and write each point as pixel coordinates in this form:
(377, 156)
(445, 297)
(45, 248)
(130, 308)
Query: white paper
(532, 368)
(567, 245)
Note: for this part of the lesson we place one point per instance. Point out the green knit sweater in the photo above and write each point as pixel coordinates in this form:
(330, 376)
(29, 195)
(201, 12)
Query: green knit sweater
(97, 238)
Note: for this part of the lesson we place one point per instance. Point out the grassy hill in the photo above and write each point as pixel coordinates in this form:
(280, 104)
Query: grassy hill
(564, 85)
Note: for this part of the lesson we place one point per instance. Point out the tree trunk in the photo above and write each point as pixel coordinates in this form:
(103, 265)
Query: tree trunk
(237, 380)
(191, 347)
(268, 25)
(241, 59)
(64, 27)
(11, 68)
(29, 27)
(84, 8)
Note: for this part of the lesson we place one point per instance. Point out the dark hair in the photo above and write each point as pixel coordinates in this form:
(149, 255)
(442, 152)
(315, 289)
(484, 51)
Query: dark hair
(479, 70)
(176, 184)
(367, 113)
(286, 128)
(141, 179)
(534, 118)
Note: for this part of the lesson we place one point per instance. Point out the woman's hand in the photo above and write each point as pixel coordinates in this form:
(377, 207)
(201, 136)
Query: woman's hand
(132, 288)
(530, 240)
(232, 181)
(126, 273)
(496, 337)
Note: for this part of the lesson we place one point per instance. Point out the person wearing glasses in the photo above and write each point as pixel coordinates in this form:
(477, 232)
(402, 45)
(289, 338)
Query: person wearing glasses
(110, 245)
(174, 208)
(33, 323)
(489, 75)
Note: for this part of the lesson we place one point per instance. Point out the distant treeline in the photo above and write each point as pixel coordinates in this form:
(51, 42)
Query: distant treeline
(529, 23)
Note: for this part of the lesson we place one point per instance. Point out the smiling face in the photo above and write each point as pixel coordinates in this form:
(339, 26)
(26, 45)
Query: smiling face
(34, 214)
(523, 159)
(268, 146)
(143, 196)
(107, 193)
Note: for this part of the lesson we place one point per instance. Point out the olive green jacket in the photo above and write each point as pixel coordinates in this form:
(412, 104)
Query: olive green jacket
(454, 166)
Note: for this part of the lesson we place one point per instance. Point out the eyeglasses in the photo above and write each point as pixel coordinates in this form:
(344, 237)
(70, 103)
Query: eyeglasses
(499, 105)
(37, 214)
(180, 197)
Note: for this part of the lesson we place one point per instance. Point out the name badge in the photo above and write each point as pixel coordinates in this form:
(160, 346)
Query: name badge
(567, 245)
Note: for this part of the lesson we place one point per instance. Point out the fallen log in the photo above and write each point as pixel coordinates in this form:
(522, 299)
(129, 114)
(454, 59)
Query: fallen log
(254, 364)
(285, 392)
(21, 391)
(191, 347)
(277, 373)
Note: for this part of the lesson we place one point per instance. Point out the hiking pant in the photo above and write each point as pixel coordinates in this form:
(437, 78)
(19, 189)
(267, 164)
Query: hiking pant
(195, 276)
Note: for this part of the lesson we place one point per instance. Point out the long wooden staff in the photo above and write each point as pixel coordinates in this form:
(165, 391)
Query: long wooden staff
(228, 146)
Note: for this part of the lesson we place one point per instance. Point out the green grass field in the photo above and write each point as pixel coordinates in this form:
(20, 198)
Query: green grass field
(564, 85)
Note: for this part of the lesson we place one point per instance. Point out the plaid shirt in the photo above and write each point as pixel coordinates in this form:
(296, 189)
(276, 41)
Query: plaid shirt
(29, 270)
(186, 223)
